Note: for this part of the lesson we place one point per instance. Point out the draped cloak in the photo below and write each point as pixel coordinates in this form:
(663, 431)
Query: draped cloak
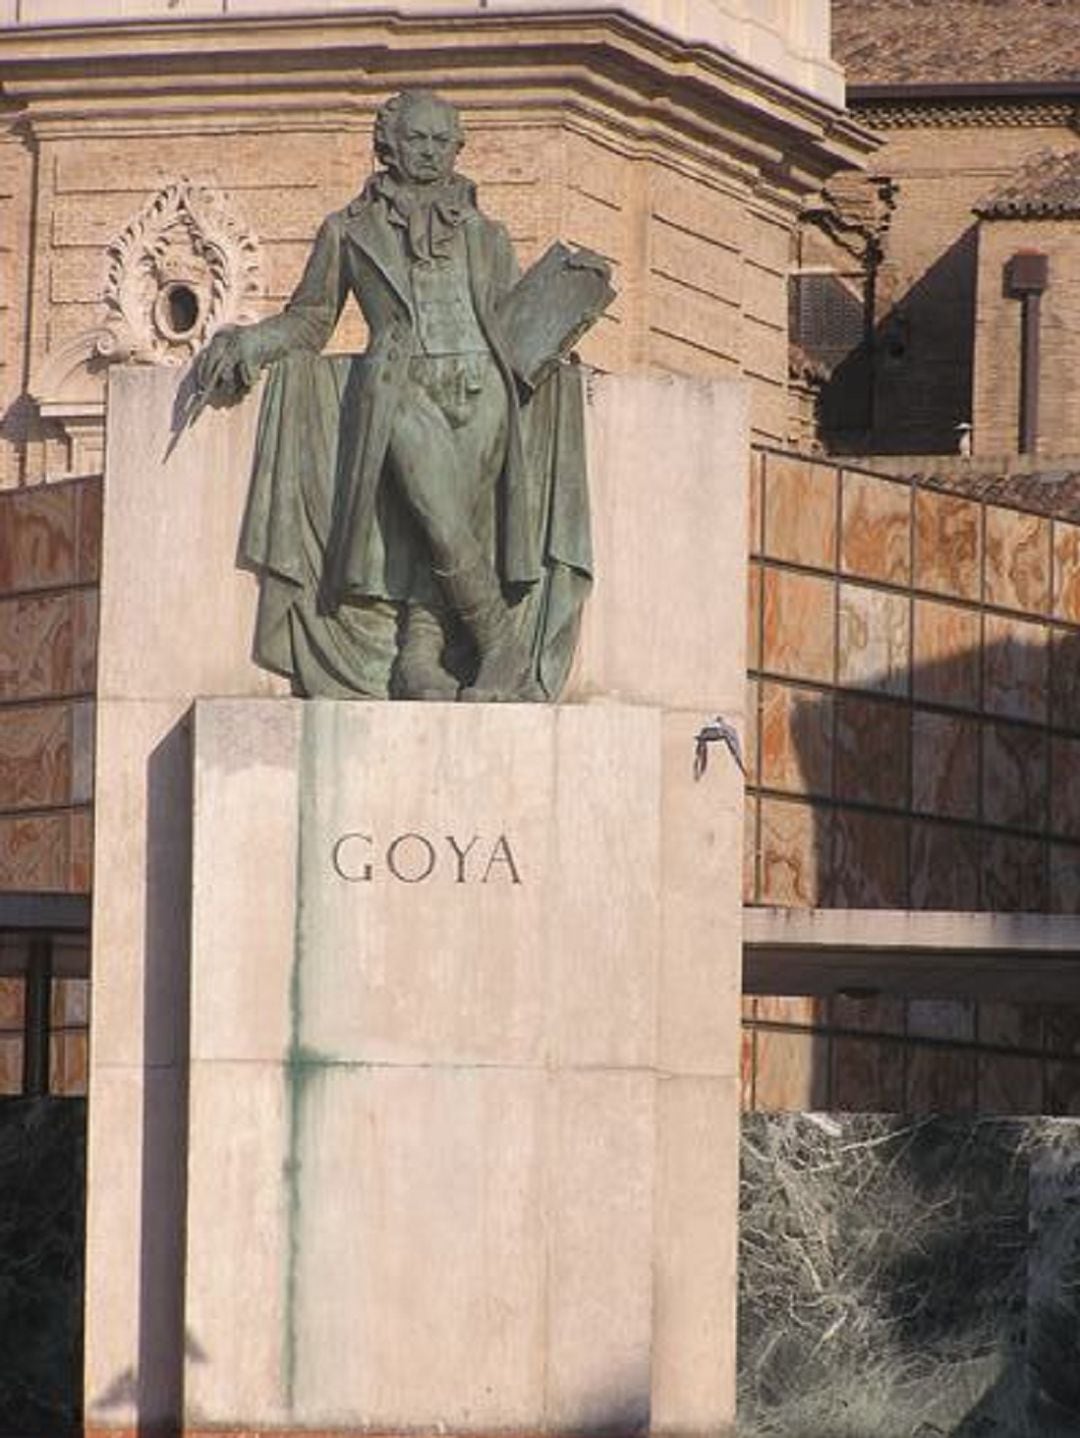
(335, 548)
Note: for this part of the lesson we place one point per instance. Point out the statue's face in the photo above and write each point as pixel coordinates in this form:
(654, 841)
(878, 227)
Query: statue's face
(425, 142)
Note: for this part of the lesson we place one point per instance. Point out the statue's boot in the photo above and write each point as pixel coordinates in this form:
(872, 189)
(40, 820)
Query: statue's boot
(505, 669)
(418, 669)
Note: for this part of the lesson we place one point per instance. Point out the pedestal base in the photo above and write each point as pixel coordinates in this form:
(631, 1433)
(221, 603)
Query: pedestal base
(463, 1099)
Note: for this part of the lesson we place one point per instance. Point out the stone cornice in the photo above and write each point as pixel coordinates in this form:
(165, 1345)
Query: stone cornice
(644, 84)
(879, 115)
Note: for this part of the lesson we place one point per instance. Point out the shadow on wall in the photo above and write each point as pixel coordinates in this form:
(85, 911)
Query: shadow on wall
(153, 1386)
(954, 786)
(907, 387)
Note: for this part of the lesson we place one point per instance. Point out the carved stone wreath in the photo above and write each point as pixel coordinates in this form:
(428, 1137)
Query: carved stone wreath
(182, 268)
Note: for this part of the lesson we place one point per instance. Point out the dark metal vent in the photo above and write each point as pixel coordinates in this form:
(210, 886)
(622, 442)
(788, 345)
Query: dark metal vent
(827, 316)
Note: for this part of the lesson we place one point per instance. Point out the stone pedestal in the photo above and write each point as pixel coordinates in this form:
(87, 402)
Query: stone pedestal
(413, 1097)
(463, 1098)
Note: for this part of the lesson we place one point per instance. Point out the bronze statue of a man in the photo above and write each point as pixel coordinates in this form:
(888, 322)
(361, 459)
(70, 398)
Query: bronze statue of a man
(434, 500)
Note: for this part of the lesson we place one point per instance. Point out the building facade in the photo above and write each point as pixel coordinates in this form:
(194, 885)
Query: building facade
(163, 168)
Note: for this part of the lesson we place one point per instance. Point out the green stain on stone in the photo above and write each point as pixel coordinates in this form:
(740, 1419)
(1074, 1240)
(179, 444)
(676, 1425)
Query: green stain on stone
(301, 1065)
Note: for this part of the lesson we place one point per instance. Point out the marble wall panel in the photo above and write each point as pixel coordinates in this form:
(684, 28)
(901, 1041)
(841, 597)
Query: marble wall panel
(875, 535)
(869, 861)
(873, 751)
(867, 1075)
(747, 1063)
(81, 851)
(1008, 1083)
(1013, 874)
(791, 1073)
(796, 739)
(957, 656)
(88, 512)
(37, 537)
(798, 625)
(941, 1018)
(1017, 560)
(1016, 673)
(1062, 1092)
(34, 851)
(944, 867)
(1018, 1026)
(82, 751)
(794, 858)
(871, 1013)
(12, 993)
(84, 636)
(1066, 586)
(1063, 878)
(1065, 787)
(11, 1065)
(754, 507)
(1061, 1031)
(1065, 679)
(35, 756)
(36, 653)
(751, 730)
(948, 544)
(945, 764)
(800, 511)
(69, 1059)
(753, 615)
(947, 654)
(70, 1002)
(1014, 776)
(793, 1010)
(939, 1080)
(874, 647)
(750, 848)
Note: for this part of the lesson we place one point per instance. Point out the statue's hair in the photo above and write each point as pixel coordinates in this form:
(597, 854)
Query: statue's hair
(390, 114)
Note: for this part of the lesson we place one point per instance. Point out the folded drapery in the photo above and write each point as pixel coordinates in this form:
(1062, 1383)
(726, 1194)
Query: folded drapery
(344, 649)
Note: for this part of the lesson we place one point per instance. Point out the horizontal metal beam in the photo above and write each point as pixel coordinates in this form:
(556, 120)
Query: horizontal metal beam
(1022, 958)
(36, 912)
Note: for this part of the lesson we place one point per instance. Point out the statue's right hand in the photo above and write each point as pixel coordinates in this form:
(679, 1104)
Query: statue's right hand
(228, 365)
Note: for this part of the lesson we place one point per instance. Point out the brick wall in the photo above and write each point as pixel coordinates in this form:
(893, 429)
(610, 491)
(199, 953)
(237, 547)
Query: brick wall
(700, 274)
(997, 342)
(926, 283)
(16, 190)
(700, 248)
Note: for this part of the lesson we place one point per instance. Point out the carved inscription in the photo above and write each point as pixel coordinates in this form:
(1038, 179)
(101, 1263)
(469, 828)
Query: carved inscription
(413, 858)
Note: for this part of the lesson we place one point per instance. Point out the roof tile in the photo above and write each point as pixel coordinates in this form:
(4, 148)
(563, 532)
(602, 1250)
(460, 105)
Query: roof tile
(957, 42)
(1047, 185)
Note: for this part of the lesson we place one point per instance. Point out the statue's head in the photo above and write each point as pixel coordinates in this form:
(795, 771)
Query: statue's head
(417, 137)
